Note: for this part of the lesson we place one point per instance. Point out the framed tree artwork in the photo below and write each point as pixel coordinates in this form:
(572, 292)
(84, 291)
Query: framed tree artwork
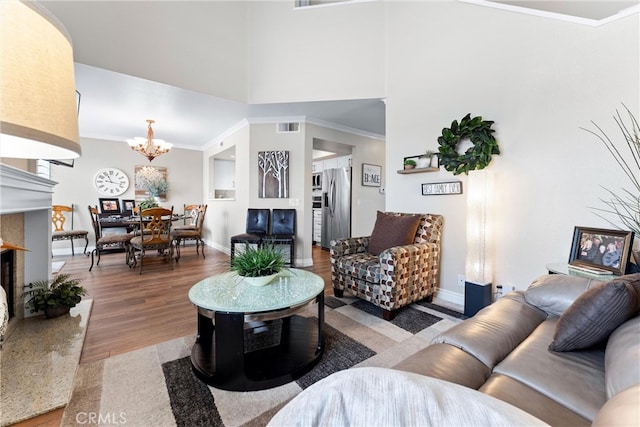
(273, 174)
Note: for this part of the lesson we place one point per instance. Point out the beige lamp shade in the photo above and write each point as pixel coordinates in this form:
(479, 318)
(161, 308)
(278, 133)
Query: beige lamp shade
(38, 110)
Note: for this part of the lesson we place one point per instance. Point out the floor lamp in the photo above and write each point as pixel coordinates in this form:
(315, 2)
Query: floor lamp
(479, 259)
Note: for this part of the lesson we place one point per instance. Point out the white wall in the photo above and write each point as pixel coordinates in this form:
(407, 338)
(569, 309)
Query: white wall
(315, 54)
(75, 185)
(540, 80)
(226, 218)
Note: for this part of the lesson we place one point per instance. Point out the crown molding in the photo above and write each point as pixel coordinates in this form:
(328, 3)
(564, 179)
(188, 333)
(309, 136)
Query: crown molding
(557, 16)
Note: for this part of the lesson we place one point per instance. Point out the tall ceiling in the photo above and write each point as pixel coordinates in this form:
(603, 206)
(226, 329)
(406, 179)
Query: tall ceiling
(120, 89)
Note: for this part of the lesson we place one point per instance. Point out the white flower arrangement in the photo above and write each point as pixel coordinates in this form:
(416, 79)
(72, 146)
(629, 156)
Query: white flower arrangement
(152, 180)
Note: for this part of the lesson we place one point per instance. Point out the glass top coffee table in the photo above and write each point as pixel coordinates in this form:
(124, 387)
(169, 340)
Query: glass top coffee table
(257, 337)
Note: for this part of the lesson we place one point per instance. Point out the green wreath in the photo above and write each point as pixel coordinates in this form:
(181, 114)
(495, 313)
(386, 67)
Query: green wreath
(477, 156)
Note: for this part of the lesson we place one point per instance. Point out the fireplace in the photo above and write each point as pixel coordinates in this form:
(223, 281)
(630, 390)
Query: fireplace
(25, 220)
(7, 279)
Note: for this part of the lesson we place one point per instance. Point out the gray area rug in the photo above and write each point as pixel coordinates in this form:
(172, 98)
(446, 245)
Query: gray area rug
(192, 402)
(155, 386)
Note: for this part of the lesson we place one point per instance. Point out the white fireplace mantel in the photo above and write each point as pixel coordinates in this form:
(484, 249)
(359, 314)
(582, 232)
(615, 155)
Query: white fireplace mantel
(25, 193)
(22, 191)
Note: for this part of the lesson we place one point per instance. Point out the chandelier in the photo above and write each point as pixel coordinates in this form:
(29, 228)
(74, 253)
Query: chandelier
(150, 148)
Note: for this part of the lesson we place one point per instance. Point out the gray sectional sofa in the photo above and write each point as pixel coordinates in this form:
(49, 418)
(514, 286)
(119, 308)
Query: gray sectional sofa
(565, 352)
(505, 351)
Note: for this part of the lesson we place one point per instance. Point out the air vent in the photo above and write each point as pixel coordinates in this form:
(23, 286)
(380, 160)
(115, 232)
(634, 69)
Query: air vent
(288, 127)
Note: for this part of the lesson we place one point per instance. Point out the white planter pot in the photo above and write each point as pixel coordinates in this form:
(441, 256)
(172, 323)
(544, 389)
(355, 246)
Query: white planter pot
(260, 280)
(434, 161)
(422, 162)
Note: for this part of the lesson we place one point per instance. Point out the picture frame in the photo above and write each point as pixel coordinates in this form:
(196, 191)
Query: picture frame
(127, 206)
(109, 206)
(601, 249)
(141, 192)
(371, 175)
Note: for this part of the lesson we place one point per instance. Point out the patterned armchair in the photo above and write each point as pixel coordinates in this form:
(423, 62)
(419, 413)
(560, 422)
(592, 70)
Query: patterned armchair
(397, 276)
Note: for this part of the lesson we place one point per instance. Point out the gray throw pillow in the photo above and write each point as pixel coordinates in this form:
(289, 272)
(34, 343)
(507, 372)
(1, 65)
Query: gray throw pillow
(392, 230)
(596, 313)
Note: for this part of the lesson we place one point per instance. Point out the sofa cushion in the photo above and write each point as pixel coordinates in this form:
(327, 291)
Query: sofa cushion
(554, 293)
(622, 356)
(448, 363)
(531, 401)
(574, 379)
(595, 314)
(363, 265)
(495, 330)
(393, 230)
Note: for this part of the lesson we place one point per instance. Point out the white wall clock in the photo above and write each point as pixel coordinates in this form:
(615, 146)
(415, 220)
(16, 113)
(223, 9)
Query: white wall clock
(111, 182)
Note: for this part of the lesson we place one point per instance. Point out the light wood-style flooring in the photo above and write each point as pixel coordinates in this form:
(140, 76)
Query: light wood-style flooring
(132, 311)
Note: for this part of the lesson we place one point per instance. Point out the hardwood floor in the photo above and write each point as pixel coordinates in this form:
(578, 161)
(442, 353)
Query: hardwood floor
(131, 311)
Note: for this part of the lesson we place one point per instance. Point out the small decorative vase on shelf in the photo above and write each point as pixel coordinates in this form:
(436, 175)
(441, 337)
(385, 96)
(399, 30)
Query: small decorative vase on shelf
(423, 162)
(434, 162)
(259, 280)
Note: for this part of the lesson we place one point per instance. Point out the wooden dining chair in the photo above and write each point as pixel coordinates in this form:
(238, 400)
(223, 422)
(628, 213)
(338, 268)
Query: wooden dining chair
(59, 232)
(190, 213)
(109, 241)
(180, 235)
(155, 226)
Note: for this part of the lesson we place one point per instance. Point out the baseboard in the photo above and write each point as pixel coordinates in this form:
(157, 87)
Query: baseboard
(451, 297)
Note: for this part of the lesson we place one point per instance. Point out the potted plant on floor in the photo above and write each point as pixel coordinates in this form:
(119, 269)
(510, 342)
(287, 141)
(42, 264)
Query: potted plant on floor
(258, 266)
(55, 298)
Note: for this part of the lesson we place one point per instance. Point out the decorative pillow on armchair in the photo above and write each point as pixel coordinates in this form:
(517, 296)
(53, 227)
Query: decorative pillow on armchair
(392, 230)
(596, 313)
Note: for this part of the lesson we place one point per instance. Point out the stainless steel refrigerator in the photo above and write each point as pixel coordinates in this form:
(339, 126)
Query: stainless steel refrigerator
(336, 205)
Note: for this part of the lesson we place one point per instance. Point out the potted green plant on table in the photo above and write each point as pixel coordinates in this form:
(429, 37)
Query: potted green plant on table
(258, 266)
(55, 298)
(148, 203)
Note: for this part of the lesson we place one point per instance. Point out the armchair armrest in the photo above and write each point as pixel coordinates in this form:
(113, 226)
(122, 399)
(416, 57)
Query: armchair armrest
(410, 268)
(349, 246)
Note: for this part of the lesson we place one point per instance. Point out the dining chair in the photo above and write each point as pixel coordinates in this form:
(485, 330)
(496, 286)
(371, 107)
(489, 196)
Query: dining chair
(190, 213)
(183, 234)
(155, 226)
(257, 227)
(109, 241)
(283, 231)
(59, 232)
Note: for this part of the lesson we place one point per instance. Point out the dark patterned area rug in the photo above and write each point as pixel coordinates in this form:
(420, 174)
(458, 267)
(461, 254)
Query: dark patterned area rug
(156, 386)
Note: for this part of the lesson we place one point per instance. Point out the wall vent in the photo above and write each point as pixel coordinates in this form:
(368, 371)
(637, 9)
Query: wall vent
(288, 127)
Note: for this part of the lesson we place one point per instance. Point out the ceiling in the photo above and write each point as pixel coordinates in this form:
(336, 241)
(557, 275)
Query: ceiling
(115, 106)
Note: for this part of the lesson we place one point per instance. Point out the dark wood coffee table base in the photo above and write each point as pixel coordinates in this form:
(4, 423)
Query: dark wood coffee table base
(224, 358)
